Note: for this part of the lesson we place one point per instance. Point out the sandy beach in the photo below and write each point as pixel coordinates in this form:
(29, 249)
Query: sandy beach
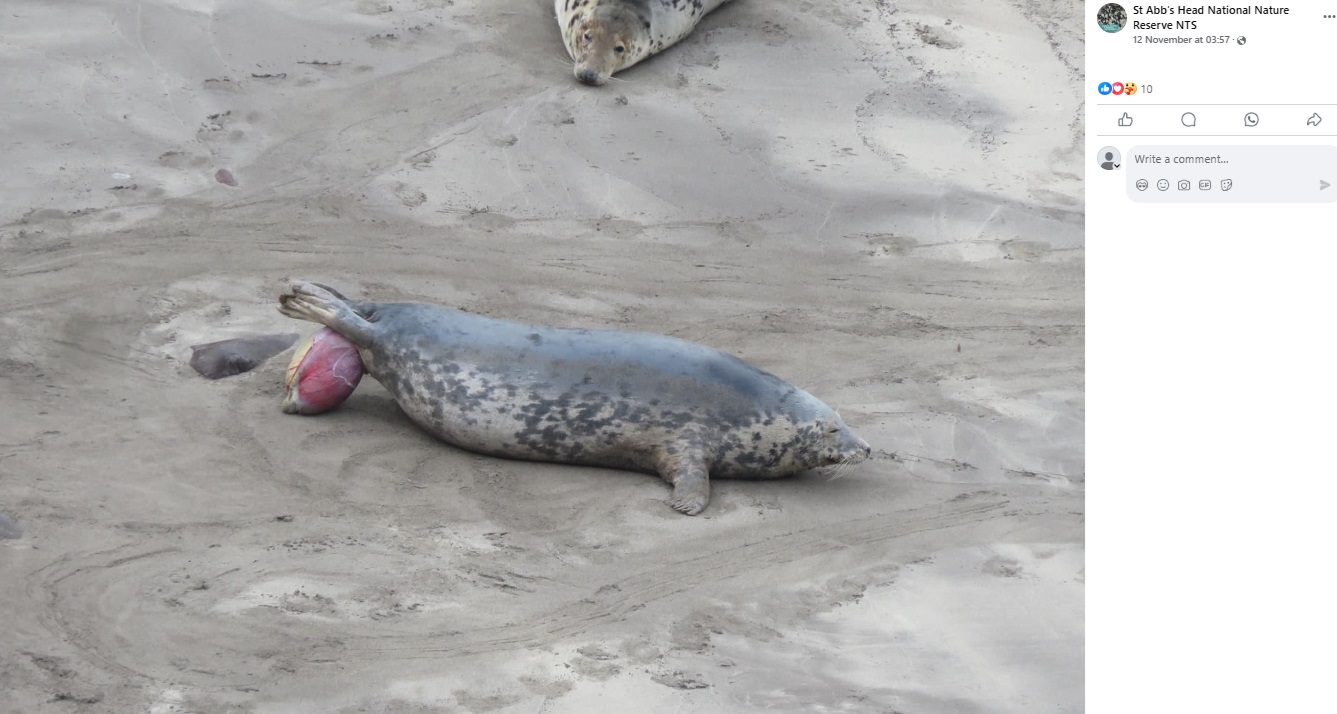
(880, 202)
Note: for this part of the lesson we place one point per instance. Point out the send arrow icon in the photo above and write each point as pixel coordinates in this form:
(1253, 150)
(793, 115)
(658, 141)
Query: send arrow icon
(1323, 184)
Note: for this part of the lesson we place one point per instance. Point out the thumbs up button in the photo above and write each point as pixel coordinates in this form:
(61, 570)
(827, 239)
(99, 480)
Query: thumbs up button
(1125, 120)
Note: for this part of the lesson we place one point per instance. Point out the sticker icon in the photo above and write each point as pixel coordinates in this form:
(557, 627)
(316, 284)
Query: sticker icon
(1227, 184)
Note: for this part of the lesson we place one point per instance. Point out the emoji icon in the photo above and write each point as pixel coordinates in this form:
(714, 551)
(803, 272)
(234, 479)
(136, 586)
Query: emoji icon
(1163, 185)
(1130, 88)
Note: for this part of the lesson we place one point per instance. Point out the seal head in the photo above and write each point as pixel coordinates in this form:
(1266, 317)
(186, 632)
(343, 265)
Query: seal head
(608, 39)
(834, 444)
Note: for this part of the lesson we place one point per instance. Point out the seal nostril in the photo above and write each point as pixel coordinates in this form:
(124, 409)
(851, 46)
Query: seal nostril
(588, 76)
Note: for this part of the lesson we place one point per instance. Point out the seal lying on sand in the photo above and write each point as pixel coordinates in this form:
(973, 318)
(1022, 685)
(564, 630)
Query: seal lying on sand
(607, 36)
(625, 400)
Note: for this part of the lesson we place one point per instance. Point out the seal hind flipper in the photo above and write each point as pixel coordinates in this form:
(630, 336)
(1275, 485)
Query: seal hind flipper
(691, 486)
(314, 303)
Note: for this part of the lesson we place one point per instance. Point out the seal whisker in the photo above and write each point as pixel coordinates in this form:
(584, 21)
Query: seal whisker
(834, 471)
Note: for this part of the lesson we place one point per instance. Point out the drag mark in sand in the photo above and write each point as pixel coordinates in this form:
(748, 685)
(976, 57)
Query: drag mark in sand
(78, 591)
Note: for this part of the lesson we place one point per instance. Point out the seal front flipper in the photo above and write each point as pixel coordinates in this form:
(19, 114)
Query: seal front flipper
(691, 485)
(308, 301)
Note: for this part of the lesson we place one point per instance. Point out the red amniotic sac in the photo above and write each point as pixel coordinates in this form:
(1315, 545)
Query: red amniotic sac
(323, 373)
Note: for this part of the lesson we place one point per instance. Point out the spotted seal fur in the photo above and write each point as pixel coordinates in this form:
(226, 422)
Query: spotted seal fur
(625, 400)
(607, 36)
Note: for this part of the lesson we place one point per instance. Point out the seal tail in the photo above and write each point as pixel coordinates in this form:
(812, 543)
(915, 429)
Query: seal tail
(321, 305)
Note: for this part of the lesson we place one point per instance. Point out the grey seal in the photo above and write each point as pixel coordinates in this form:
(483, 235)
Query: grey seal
(607, 36)
(624, 400)
(226, 358)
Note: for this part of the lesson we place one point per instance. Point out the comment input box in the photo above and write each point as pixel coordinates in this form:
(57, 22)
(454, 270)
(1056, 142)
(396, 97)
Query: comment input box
(1231, 174)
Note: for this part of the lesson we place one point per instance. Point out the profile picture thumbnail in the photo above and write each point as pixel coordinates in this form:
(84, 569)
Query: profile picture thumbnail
(1112, 17)
(1109, 159)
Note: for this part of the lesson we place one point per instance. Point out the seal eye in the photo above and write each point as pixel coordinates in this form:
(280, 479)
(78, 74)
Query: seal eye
(587, 37)
(619, 49)
(836, 430)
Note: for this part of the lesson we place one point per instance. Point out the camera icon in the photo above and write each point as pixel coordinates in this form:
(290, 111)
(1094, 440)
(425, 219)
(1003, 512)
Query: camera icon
(1185, 185)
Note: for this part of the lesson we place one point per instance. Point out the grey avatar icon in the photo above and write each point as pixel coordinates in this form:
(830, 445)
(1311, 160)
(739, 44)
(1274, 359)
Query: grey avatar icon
(1109, 158)
(1142, 184)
